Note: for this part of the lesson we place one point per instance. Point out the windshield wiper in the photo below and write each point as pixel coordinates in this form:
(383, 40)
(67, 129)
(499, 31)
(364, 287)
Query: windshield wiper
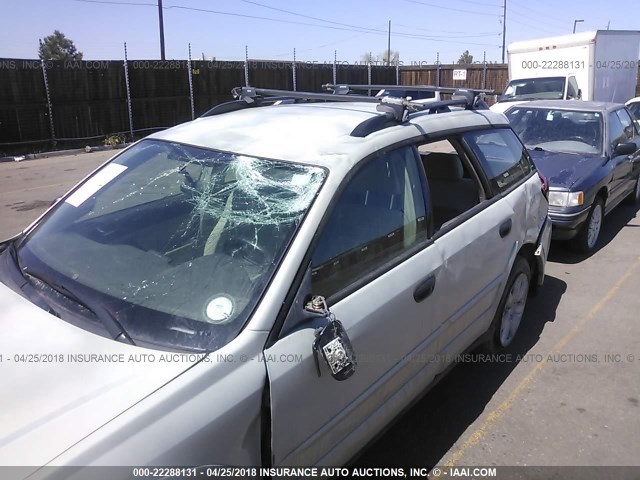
(539, 149)
(113, 326)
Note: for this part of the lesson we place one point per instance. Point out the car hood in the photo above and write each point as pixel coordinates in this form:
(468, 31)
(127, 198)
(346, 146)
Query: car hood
(48, 400)
(565, 169)
(505, 105)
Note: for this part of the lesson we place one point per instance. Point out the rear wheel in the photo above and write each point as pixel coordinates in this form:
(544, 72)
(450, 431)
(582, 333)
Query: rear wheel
(511, 308)
(587, 237)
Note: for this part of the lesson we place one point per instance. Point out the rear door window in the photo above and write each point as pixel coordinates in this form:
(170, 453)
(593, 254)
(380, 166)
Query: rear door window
(502, 155)
(454, 185)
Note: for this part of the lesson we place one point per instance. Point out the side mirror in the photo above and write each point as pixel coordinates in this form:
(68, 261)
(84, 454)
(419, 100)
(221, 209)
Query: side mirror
(629, 131)
(579, 97)
(332, 343)
(625, 148)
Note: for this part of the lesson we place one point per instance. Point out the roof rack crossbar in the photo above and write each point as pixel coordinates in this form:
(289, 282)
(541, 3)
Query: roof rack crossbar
(403, 106)
(344, 88)
(395, 109)
(250, 94)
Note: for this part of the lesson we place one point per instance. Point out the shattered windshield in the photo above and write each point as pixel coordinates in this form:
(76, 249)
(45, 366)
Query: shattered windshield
(551, 88)
(178, 243)
(564, 131)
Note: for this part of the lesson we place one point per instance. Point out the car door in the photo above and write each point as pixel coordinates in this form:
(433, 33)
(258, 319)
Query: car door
(479, 245)
(631, 134)
(377, 269)
(620, 130)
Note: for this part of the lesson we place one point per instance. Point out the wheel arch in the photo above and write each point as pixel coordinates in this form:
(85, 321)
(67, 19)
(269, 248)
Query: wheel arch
(603, 193)
(527, 251)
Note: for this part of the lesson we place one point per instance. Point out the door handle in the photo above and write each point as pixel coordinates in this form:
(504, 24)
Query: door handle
(425, 288)
(505, 228)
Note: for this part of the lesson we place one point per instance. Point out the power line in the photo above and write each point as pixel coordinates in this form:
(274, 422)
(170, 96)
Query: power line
(114, 2)
(351, 37)
(257, 17)
(453, 9)
(483, 34)
(299, 14)
(349, 25)
(482, 3)
(528, 13)
(537, 27)
(443, 31)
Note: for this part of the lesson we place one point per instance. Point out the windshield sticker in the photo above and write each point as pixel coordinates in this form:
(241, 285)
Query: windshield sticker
(95, 183)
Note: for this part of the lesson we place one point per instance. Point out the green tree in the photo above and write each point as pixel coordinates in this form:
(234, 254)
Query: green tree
(465, 58)
(58, 47)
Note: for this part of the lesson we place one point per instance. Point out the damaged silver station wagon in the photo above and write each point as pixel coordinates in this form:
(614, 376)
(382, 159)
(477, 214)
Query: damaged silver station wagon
(270, 284)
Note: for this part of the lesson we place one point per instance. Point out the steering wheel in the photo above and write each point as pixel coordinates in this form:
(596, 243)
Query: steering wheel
(579, 138)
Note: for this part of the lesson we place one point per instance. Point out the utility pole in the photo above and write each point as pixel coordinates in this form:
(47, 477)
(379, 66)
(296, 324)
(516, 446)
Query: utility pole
(161, 29)
(389, 46)
(504, 27)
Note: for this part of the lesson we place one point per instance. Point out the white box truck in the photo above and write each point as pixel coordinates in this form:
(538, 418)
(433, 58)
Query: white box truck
(601, 65)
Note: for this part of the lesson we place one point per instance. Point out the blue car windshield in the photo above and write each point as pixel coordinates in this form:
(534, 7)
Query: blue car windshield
(566, 131)
(176, 243)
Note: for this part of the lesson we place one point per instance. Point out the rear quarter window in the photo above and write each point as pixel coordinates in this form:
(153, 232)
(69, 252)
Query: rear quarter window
(502, 155)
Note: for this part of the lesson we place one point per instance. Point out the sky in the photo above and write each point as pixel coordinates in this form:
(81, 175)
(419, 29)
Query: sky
(271, 29)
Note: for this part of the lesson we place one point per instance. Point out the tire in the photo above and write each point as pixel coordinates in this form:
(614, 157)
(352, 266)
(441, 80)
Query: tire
(634, 197)
(511, 308)
(587, 238)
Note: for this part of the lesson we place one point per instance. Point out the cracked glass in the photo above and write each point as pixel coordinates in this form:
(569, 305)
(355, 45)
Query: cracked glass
(178, 243)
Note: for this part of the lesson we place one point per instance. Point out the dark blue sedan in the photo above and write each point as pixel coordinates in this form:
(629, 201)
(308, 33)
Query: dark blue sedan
(589, 152)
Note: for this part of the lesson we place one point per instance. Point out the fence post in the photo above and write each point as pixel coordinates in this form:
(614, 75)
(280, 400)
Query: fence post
(335, 67)
(295, 80)
(369, 74)
(49, 106)
(437, 69)
(398, 70)
(484, 70)
(193, 112)
(246, 66)
(126, 82)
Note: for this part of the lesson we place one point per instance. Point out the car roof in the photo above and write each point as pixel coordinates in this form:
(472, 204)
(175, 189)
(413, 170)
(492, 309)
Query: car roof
(314, 133)
(632, 100)
(577, 105)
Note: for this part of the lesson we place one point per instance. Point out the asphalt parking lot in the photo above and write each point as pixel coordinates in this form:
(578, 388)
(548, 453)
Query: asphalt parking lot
(567, 392)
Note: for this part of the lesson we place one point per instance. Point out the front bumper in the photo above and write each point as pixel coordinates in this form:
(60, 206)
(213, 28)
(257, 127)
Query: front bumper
(567, 225)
